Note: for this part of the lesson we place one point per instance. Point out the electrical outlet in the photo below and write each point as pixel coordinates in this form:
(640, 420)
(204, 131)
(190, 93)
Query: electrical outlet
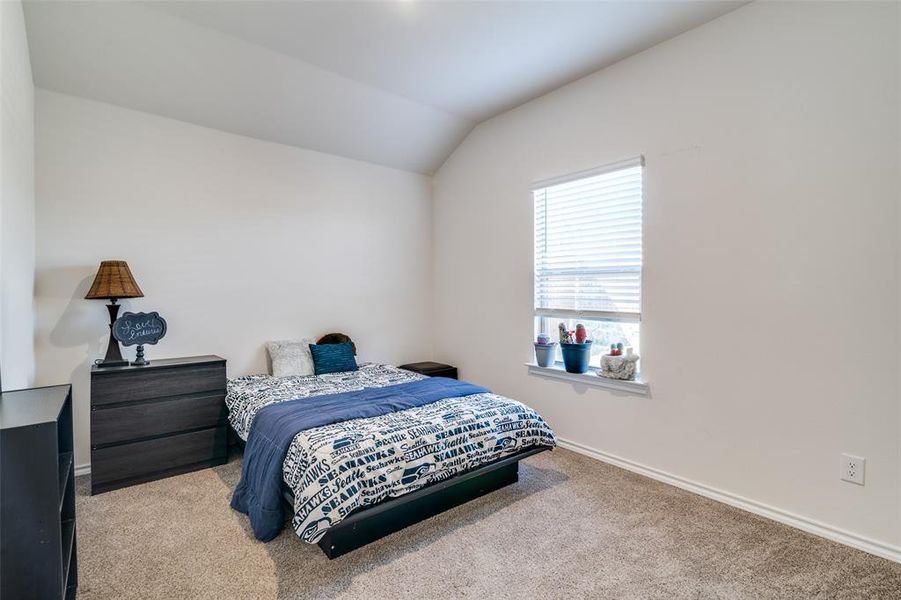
(853, 468)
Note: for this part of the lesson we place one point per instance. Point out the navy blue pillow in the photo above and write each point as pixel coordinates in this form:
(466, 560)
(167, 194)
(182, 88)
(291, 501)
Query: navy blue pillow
(333, 358)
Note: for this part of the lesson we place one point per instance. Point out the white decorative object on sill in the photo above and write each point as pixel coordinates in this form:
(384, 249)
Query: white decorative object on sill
(619, 367)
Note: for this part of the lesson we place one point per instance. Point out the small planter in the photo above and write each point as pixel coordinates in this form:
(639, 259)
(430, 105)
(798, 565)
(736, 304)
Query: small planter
(575, 357)
(545, 354)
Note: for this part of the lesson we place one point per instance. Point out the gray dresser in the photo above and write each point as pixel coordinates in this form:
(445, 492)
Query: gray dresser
(150, 422)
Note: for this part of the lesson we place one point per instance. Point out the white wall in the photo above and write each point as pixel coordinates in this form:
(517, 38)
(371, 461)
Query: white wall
(16, 201)
(771, 290)
(234, 241)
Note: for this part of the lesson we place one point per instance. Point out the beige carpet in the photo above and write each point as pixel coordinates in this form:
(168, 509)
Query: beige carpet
(571, 528)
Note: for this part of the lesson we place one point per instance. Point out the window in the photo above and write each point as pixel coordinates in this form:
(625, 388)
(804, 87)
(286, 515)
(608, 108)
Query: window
(588, 255)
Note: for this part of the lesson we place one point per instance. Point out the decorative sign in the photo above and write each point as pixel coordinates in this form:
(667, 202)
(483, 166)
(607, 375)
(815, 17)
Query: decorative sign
(139, 328)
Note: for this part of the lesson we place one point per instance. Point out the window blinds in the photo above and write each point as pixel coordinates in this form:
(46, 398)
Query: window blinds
(588, 244)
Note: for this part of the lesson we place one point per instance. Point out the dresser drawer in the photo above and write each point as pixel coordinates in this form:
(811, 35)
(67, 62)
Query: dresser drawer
(128, 463)
(132, 385)
(146, 419)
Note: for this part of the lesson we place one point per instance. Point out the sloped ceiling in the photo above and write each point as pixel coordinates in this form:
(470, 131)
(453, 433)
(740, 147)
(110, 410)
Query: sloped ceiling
(395, 83)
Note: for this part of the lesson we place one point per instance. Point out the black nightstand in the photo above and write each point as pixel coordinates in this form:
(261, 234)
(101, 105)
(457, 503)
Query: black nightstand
(432, 369)
(150, 422)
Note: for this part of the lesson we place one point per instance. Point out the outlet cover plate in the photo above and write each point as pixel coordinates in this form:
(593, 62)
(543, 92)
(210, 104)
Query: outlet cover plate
(853, 468)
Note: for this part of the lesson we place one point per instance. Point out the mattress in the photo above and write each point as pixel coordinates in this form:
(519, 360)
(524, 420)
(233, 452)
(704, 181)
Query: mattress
(337, 468)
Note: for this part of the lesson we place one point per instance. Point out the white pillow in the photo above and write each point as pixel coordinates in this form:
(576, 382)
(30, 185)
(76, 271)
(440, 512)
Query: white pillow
(291, 357)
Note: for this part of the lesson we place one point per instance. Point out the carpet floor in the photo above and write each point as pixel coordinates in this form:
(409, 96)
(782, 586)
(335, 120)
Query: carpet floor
(572, 527)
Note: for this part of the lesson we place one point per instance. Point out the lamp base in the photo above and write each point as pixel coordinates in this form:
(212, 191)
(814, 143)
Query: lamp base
(104, 364)
(113, 356)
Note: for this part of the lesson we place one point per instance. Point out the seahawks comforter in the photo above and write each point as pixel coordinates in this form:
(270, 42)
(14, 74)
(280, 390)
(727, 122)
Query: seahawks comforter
(408, 435)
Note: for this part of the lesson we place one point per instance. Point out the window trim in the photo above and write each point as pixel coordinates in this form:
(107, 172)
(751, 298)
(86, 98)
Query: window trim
(628, 163)
(637, 386)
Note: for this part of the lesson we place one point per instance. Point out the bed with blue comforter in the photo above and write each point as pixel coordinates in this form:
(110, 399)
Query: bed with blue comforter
(344, 441)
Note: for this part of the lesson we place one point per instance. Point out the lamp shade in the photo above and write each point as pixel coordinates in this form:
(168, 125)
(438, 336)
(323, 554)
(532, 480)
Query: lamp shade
(114, 280)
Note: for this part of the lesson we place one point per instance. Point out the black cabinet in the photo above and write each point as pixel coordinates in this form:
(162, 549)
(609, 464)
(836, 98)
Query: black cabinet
(432, 369)
(38, 557)
(162, 419)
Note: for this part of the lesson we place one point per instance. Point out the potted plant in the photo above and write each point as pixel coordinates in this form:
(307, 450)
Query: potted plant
(576, 349)
(545, 351)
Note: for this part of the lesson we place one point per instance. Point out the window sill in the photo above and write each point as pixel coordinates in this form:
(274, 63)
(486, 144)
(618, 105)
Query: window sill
(590, 378)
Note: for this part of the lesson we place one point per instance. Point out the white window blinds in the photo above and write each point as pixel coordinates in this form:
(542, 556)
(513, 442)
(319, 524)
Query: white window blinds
(588, 244)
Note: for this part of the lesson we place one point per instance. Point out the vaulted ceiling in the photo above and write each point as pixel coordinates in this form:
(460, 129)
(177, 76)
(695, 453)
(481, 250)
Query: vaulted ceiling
(397, 83)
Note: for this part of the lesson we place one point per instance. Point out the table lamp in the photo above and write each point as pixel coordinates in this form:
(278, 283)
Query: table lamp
(113, 281)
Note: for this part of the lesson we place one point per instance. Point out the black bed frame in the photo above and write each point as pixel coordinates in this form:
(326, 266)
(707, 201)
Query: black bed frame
(370, 523)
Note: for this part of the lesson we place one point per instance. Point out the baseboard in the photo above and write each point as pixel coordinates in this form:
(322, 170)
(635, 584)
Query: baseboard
(823, 530)
(84, 469)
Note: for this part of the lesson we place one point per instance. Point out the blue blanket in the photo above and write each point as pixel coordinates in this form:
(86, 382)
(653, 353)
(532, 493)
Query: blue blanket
(258, 494)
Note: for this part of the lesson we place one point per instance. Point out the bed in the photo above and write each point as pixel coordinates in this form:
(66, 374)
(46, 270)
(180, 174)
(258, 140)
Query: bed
(356, 455)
